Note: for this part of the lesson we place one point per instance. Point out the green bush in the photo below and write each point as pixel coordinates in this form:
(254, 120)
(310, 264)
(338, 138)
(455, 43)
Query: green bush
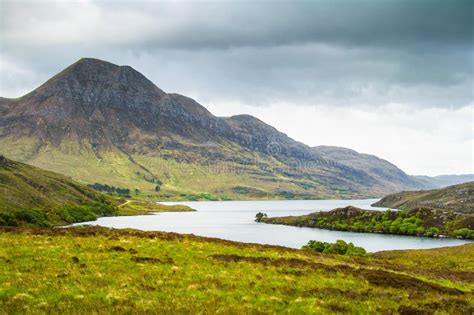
(340, 248)
(316, 246)
(464, 232)
(432, 231)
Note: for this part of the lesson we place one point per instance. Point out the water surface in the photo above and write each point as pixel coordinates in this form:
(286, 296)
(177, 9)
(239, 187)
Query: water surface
(234, 220)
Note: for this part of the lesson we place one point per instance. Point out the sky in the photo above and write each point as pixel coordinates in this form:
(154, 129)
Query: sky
(389, 78)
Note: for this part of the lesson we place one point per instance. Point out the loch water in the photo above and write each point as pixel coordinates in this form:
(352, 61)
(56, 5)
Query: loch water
(234, 220)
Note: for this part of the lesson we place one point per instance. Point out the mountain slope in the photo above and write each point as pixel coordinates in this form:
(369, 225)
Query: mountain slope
(99, 122)
(34, 196)
(379, 169)
(458, 198)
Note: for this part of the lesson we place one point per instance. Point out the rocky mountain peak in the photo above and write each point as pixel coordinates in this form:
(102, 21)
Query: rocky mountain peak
(93, 82)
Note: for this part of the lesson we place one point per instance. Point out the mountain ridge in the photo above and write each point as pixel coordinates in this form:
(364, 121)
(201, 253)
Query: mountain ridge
(115, 117)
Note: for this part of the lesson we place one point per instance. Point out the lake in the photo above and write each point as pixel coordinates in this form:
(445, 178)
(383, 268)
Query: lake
(234, 220)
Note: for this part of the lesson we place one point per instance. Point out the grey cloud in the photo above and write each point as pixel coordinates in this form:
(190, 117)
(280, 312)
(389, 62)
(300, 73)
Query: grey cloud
(393, 23)
(330, 52)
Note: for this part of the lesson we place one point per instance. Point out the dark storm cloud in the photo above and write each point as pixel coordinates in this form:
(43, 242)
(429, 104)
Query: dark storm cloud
(387, 23)
(316, 52)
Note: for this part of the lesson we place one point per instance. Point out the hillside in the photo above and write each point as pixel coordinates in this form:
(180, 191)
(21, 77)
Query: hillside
(458, 198)
(102, 123)
(383, 171)
(37, 197)
(82, 270)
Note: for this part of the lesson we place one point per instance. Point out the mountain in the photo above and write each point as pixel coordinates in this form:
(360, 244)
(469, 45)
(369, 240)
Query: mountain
(441, 181)
(102, 123)
(34, 196)
(377, 168)
(458, 198)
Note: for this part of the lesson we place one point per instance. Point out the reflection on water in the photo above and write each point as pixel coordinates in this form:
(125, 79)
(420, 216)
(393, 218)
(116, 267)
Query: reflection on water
(234, 220)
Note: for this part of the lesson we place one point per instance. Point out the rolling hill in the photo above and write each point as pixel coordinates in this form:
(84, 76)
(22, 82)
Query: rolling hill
(102, 123)
(458, 198)
(37, 197)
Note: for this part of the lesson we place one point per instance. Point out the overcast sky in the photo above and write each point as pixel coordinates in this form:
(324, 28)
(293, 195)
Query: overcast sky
(390, 78)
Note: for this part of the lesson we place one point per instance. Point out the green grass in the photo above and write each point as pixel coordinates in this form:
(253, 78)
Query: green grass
(85, 270)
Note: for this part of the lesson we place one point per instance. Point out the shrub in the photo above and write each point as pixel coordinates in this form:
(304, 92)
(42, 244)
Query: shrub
(432, 231)
(464, 232)
(316, 246)
(340, 248)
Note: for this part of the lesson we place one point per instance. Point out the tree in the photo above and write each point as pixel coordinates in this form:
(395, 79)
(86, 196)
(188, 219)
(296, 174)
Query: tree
(259, 216)
(432, 231)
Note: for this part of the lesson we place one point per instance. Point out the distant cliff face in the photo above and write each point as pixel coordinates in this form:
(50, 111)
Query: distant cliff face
(95, 110)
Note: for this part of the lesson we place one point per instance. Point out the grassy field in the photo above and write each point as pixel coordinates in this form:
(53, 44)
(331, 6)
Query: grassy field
(84, 270)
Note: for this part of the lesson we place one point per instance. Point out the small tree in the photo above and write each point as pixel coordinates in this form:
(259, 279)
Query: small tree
(259, 216)
(432, 231)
